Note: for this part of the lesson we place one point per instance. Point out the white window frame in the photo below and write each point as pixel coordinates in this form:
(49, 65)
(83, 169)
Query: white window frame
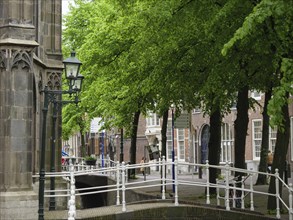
(196, 110)
(226, 143)
(255, 94)
(153, 120)
(181, 144)
(169, 141)
(272, 139)
(256, 141)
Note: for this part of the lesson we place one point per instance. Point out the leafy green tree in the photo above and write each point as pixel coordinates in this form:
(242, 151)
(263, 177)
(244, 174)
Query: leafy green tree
(274, 19)
(145, 55)
(142, 56)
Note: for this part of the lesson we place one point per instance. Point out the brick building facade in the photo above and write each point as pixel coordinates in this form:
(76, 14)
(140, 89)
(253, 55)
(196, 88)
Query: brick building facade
(253, 137)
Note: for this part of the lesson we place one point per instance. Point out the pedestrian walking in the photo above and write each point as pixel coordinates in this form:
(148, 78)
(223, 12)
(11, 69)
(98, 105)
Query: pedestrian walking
(142, 168)
(270, 158)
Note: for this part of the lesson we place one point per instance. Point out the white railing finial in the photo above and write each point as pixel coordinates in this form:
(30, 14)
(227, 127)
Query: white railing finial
(71, 202)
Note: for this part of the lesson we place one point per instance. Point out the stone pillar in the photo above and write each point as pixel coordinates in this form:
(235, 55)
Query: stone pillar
(30, 48)
(16, 136)
(17, 199)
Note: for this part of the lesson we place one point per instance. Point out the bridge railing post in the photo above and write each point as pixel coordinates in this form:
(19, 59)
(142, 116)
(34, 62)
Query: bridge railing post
(68, 190)
(208, 182)
(234, 194)
(227, 189)
(176, 180)
(251, 193)
(290, 202)
(118, 183)
(78, 167)
(72, 208)
(277, 194)
(123, 187)
(126, 172)
(218, 192)
(242, 194)
(163, 178)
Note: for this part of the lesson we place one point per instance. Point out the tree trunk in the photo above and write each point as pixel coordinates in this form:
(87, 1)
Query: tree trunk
(82, 137)
(262, 179)
(241, 124)
(214, 146)
(83, 149)
(133, 140)
(280, 153)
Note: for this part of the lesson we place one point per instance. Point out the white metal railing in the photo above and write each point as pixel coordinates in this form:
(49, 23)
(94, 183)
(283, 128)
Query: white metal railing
(119, 171)
(80, 164)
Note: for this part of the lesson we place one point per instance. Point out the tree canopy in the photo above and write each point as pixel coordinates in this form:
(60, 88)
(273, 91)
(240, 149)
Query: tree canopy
(144, 55)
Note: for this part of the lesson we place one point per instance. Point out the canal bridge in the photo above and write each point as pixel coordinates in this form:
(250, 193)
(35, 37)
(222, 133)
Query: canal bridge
(108, 193)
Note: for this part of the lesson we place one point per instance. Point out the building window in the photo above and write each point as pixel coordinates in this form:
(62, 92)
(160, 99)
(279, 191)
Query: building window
(226, 143)
(273, 139)
(153, 120)
(255, 94)
(181, 144)
(196, 110)
(256, 138)
(204, 141)
(169, 141)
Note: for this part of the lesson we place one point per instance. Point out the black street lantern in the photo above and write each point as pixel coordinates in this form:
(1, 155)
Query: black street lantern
(78, 83)
(71, 67)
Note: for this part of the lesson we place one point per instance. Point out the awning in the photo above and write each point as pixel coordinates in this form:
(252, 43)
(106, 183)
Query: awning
(64, 154)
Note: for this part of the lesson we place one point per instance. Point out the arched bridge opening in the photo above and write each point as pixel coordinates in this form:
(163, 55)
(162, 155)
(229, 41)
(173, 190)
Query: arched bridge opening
(92, 200)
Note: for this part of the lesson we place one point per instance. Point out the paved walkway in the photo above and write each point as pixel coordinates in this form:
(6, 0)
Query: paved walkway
(197, 194)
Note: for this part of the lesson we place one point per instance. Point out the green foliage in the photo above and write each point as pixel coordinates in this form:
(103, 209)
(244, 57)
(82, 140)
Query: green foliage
(280, 94)
(146, 55)
(126, 53)
(267, 31)
(73, 120)
(90, 158)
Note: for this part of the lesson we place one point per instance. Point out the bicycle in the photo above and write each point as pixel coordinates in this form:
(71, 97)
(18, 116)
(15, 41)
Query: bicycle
(235, 195)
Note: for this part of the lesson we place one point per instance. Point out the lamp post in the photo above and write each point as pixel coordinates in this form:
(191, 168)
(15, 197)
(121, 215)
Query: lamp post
(173, 149)
(52, 169)
(71, 66)
(121, 146)
(102, 148)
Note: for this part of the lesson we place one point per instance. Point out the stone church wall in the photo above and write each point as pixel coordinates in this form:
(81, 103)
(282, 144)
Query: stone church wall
(30, 57)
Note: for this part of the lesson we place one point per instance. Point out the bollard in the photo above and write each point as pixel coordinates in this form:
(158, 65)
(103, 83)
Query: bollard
(208, 182)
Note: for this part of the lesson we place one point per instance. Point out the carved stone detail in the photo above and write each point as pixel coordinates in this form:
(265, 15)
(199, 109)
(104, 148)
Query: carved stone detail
(3, 59)
(21, 59)
(54, 80)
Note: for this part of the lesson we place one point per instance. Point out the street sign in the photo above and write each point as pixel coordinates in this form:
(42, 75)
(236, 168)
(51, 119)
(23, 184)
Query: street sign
(183, 120)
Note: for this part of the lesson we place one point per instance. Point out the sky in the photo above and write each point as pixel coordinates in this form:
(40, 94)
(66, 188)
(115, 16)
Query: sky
(65, 4)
